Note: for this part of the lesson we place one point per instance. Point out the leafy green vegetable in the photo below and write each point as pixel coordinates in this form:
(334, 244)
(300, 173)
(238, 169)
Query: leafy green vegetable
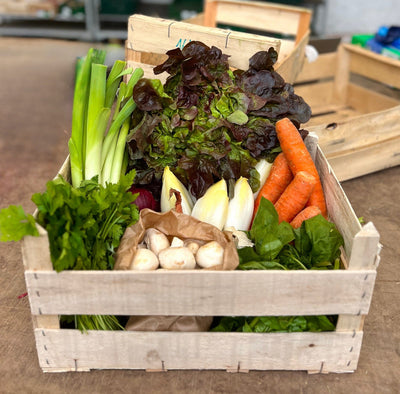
(15, 224)
(207, 121)
(85, 224)
(263, 324)
(316, 243)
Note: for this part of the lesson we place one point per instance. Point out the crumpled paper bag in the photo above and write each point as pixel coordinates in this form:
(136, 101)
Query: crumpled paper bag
(173, 224)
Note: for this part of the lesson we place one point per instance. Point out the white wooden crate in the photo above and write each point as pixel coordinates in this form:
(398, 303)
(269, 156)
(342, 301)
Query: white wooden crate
(346, 293)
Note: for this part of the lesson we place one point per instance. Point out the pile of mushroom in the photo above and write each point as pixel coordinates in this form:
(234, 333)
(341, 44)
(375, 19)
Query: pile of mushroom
(156, 251)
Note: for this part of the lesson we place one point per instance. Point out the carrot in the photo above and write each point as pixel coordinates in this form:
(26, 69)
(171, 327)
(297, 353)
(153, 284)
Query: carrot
(299, 159)
(305, 214)
(295, 196)
(277, 181)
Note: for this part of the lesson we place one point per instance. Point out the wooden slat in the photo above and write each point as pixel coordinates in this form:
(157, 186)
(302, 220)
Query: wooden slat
(70, 350)
(372, 65)
(36, 257)
(342, 75)
(158, 35)
(203, 293)
(322, 68)
(365, 100)
(316, 95)
(367, 159)
(340, 210)
(360, 133)
(334, 113)
(289, 66)
(261, 16)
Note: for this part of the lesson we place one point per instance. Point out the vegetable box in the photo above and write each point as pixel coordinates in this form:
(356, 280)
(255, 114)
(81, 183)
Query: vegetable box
(355, 102)
(148, 37)
(346, 292)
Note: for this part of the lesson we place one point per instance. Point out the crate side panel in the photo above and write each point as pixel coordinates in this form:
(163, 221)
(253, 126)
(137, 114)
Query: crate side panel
(349, 136)
(374, 66)
(366, 100)
(317, 95)
(262, 17)
(340, 210)
(207, 293)
(322, 68)
(70, 350)
(366, 160)
(158, 35)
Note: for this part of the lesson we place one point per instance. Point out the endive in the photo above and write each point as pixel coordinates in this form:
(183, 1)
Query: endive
(263, 167)
(212, 208)
(241, 206)
(168, 199)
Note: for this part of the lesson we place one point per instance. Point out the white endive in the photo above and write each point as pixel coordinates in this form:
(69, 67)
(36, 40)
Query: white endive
(168, 201)
(263, 167)
(241, 206)
(212, 208)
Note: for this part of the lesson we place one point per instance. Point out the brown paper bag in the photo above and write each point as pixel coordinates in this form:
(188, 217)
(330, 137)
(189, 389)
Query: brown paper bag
(173, 224)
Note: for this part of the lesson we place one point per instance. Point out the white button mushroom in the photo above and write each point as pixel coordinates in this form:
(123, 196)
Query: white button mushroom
(210, 255)
(144, 260)
(176, 242)
(193, 245)
(178, 258)
(155, 240)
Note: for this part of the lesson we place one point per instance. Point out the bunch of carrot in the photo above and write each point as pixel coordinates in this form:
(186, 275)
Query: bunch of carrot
(293, 184)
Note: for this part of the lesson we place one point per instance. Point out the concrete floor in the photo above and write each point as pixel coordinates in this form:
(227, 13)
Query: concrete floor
(36, 84)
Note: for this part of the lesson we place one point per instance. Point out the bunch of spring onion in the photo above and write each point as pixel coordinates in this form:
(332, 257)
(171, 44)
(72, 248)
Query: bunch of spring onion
(102, 108)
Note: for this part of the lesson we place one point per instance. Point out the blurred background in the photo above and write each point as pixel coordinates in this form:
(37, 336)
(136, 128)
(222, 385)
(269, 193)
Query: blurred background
(99, 20)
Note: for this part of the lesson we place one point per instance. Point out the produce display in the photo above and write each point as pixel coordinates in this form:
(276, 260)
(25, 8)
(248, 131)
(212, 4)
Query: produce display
(217, 146)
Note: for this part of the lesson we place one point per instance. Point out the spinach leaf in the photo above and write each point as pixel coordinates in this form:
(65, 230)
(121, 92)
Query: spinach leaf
(320, 240)
(265, 324)
(315, 245)
(269, 237)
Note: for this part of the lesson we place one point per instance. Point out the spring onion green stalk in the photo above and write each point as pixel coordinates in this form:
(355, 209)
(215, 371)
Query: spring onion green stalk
(97, 133)
(111, 140)
(241, 206)
(77, 142)
(119, 152)
(212, 208)
(97, 119)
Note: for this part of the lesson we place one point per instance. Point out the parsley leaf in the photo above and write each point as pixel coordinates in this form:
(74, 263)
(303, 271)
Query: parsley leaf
(15, 224)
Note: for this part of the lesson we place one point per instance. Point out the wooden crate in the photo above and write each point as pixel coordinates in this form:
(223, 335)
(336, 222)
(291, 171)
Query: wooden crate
(355, 102)
(149, 37)
(346, 292)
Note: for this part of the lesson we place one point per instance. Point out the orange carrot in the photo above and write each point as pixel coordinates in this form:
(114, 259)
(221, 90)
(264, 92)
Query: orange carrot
(278, 179)
(295, 196)
(305, 214)
(299, 159)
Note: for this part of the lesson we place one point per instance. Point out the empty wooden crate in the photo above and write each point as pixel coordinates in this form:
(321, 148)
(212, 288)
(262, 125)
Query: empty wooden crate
(355, 99)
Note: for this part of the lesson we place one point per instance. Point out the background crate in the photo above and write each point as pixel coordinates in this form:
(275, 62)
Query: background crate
(345, 292)
(355, 102)
(149, 37)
